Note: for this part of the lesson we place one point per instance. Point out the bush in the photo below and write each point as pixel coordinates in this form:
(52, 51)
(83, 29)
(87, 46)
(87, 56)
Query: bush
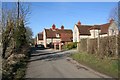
(14, 67)
(70, 46)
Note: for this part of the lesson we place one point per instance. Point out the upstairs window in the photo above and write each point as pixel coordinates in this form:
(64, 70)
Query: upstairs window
(57, 35)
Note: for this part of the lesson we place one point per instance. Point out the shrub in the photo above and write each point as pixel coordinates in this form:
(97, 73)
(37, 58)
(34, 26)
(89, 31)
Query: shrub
(70, 46)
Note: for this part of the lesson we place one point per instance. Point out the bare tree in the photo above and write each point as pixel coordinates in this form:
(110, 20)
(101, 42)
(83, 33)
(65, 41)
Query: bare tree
(13, 39)
(14, 22)
(115, 14)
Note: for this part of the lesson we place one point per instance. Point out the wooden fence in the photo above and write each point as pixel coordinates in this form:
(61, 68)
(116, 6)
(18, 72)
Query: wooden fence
(109, 46)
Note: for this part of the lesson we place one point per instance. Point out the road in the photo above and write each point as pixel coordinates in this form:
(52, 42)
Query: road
(55, 64)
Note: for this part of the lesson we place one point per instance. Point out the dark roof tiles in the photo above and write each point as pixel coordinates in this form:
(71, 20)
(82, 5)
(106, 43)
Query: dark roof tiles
(85, 29)
(65, 35)
(40, 36)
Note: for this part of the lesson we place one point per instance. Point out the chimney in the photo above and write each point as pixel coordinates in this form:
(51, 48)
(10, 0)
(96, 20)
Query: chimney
(62, 27)
(79, 23)
(111, 20)
(53, 27)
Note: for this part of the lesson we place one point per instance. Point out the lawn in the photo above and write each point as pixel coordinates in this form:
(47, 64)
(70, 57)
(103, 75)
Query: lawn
(106, 65)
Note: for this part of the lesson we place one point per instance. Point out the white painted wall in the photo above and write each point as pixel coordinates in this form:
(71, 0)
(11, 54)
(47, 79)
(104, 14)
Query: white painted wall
(40, 42)
(94, 33)
(103, 35)
(83, 36)
(113, 29)
(44, 38)
(76, 37)
(49, 40)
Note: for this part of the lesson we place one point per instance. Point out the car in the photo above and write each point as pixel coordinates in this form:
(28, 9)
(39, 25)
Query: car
(40, 46)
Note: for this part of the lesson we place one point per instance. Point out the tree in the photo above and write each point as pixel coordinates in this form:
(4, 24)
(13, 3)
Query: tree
(14, 39)
(29, 34)
(14, 31)
(115, 14)
(19, 35)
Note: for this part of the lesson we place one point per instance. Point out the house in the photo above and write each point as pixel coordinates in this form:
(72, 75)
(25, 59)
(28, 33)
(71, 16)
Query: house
(80, 31)
(55, 36)
(39, 38)
(94, 31)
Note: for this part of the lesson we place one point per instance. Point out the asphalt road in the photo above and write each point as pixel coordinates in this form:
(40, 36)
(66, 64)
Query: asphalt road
(55, 64)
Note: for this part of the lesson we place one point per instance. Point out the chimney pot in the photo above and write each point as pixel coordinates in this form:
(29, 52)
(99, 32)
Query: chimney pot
(79, 23)
(111, 20)
(62, 27)
(53, 26)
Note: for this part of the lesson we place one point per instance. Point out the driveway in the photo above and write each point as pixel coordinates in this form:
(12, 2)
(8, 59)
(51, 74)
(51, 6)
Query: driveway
(49, 63)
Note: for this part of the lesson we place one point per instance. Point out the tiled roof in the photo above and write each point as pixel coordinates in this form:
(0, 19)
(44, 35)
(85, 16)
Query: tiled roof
(65, 35)
(104, 28)
(40, 36)
(95, 27)
(84, 29)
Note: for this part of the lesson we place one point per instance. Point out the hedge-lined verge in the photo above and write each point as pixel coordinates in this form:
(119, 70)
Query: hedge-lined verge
(106, 65)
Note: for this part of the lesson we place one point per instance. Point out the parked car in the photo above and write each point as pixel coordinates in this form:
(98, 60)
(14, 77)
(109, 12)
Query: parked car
(40, 46)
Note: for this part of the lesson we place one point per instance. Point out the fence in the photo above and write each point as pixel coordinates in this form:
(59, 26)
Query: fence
(108, 46)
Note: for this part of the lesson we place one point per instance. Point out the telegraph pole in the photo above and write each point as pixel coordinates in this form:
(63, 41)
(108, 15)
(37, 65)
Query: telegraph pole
(18, 12)
(18, 9)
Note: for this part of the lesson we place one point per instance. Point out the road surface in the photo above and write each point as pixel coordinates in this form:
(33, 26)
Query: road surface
(55, 64)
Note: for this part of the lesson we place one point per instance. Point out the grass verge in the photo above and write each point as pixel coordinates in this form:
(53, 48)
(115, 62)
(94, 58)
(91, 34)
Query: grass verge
(106, 65)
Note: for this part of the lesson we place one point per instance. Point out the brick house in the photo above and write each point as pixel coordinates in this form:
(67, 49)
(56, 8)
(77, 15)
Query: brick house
(55, 36)
(93, 31)
(39, 38)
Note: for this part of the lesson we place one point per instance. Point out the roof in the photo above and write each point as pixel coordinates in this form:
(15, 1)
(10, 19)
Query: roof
(65, 35)
(104, 28)
(95, 27)
(84, 29)
(40, 36)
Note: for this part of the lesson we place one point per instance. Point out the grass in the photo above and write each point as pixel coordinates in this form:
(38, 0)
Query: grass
(105, 65)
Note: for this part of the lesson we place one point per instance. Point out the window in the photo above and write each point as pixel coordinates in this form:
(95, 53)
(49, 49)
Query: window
(57, 35)
(111, 31)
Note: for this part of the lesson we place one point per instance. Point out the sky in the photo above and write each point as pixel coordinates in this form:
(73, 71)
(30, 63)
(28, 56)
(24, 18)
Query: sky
(45, 14)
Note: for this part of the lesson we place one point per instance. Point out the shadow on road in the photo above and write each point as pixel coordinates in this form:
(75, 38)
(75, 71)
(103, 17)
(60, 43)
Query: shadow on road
(41, 54)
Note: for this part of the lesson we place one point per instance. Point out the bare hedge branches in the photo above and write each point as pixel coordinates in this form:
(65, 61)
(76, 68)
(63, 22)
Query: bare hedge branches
(107, 46)
(14, 31)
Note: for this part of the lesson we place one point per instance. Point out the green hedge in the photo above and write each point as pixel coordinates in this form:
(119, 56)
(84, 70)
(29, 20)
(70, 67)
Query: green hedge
(69, 46)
